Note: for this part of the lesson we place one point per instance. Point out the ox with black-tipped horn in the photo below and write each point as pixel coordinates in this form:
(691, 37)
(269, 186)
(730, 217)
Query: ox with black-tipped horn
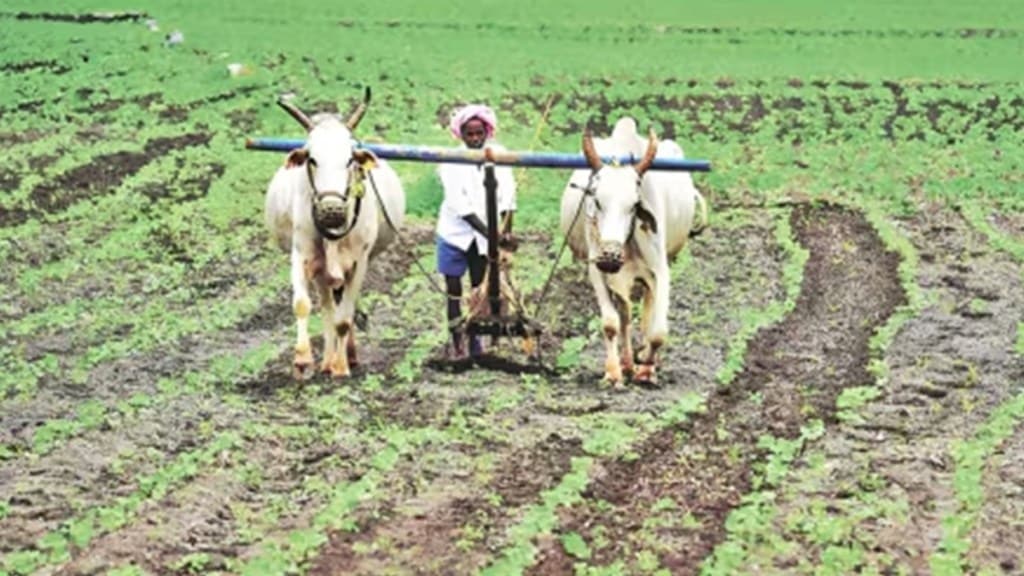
(294, 111)
(357, 114)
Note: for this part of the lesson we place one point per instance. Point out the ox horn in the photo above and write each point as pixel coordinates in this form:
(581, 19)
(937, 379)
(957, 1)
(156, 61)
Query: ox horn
(652, 150)
(590, 152)
(299, 115)
(357, 114)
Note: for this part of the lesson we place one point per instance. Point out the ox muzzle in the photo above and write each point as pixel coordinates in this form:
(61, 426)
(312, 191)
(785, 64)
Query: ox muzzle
(333, 214)
(609, 260)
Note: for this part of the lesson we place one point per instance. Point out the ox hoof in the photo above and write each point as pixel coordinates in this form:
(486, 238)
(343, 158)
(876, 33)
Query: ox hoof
(327, 362)
(302, 365)
(612, 371)
(339, 370)
(616, 385)
(627, 364)
(613, 378)
(645, 374)
(302, 371)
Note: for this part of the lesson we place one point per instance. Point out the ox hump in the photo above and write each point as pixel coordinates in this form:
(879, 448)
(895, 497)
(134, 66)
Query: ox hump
(625, 128)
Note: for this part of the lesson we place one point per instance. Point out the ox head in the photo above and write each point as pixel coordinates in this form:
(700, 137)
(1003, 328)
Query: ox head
(615, 202)
(335, 169)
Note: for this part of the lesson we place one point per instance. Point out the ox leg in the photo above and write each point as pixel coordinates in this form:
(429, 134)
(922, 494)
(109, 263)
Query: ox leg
(625, 334)
(340, 367)
(349, 341)
(330, 336)
(656, 309)
(350, 349)
(610, 322)
(645, 310)
(302, 306)
(344, 317)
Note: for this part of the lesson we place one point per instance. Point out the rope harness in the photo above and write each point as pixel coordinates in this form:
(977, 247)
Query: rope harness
(588, 192)
(333, 215)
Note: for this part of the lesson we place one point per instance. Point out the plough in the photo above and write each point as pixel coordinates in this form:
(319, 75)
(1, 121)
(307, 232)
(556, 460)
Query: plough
(499, 312)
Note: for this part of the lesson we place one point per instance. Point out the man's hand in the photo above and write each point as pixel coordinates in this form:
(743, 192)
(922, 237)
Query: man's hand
(476, 223)
(508, 242)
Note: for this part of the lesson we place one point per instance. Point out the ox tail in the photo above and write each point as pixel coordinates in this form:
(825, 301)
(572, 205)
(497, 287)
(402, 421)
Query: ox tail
(700, 223)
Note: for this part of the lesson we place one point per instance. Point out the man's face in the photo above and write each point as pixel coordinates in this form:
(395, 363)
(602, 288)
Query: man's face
(474, 133)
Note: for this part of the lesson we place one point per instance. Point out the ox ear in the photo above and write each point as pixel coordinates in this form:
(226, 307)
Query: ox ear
(365, 158)
(646, 217)
(296, 158)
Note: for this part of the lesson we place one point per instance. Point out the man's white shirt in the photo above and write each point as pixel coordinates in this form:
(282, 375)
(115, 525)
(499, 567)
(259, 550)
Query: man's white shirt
(464, 194)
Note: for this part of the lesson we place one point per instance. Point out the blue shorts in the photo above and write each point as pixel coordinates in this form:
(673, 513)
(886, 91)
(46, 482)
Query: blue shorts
(451, 261)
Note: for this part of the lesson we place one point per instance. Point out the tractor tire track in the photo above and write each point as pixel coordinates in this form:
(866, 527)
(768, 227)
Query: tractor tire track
(795, 370)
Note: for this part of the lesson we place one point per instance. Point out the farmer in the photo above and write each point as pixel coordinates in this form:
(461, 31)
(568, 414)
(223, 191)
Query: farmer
(462, 221)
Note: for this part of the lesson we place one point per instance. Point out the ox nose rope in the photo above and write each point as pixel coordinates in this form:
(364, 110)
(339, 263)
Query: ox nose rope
(565, 241)
(405, 245)
(588, 191)
(332, 215)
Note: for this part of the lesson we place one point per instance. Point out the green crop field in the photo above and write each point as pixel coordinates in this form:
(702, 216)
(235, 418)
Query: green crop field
(842, 391)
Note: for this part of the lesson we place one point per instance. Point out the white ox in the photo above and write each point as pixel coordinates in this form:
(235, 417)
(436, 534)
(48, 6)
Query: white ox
(332, 250)
(633, 222)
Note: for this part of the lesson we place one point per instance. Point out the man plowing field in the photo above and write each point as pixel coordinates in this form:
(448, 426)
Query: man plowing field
(461, 228)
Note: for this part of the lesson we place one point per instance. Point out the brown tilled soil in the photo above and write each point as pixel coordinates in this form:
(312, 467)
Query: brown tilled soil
(796, 369)
(999, 531)
(453, 520)
(101, 465)
(86, 18)
(1010, 223)
(443, 508)
(950, 367)
(100, 176)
